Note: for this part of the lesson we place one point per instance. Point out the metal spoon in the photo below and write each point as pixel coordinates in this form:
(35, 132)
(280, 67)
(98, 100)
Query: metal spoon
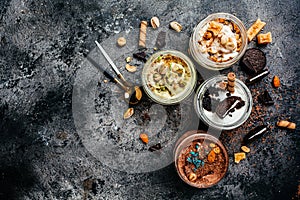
(107, 74)
(112, 64)
(133, 94)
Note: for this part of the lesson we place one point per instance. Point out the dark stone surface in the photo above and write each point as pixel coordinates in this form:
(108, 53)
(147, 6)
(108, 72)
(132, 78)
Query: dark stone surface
(42, 44)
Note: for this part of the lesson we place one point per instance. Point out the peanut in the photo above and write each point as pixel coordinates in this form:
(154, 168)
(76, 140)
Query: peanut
(144, 138)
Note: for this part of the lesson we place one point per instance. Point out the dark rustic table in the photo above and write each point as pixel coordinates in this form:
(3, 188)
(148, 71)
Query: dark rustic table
(57, 120)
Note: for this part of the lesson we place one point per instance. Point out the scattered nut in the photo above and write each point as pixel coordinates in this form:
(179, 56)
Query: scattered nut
(245, 149)
(239, 156)
(286, 124)
(129, 112)
(212, 145)
(121, 41)
(155, 147)
(138, 93)
(154, 22)
(128, 59)
(276, 81)
(211, 156)
(176, 26)
(144, 138)
(105, 81)
(192, 177)
(130, 68)
(217, 150)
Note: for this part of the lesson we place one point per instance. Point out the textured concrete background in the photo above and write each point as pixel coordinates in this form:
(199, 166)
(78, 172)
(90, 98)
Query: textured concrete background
(42, 44)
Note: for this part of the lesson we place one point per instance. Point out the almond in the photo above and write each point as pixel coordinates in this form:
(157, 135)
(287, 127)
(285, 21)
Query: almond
(144, 138)
(276, 81)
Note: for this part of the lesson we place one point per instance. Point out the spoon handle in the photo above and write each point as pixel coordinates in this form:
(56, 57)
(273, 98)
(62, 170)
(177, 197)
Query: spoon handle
(112, 64)
(106, 73)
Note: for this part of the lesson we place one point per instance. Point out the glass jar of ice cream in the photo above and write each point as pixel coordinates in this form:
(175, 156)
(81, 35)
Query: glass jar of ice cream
(218, 41)
(219, 108)
(168, 77)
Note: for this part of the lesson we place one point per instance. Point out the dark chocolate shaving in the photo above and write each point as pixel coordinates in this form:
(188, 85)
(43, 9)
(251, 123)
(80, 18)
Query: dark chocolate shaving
(161, 40)
(141, 56)
(265, 98)
(155, 147)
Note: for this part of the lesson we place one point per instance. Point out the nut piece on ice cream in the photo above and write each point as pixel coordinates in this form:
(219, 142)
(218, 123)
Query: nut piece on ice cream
(215, 27)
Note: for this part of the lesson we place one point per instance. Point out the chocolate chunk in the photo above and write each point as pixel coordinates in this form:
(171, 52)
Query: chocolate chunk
(161, 40)
(257, 77)
(253, 61)
(265, 98)
(210, 99)
(155, 147)
(254, 134)
(229, 105)
(142, 56)
(206, 103)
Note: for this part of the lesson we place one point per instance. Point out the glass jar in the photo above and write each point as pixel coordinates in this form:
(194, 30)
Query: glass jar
(208, 174)
(236, 118)
(165, 80)
(208, 49)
